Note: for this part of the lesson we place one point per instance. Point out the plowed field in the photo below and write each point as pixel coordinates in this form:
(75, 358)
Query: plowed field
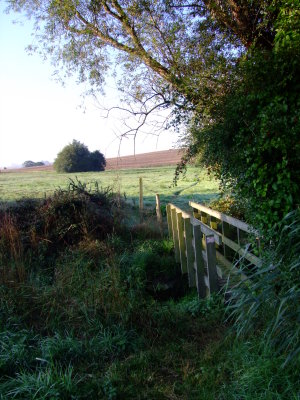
(153, 159)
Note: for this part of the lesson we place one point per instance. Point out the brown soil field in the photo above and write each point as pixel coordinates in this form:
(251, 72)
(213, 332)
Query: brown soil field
(153, 159)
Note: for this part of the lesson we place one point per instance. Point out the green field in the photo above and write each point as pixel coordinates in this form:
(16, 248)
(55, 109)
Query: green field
(94, 306)
(195, 185)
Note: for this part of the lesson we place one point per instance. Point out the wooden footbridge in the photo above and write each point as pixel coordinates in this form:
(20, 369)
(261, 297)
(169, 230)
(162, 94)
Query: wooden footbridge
(211, 245)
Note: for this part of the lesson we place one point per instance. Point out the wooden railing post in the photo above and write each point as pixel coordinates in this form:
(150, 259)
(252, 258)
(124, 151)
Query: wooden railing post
(199, 262)
(190, 255)
(193, 251)
(211, 263)
(169, 221)
(182, 246)
(175, 234)
(233, 234)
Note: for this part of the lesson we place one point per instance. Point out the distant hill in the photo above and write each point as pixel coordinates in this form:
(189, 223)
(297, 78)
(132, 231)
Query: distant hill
(153, 159)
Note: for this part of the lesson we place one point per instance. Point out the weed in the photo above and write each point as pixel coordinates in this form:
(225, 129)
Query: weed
(49, 383)
(270, 299)
(12, 269)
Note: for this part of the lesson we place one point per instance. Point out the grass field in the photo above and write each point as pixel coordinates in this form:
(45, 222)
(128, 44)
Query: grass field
(196, 185)
(94, 306)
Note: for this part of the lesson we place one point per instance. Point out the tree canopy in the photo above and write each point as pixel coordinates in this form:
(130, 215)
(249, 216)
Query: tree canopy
(224, 67)
(30, 163)
(76, 157)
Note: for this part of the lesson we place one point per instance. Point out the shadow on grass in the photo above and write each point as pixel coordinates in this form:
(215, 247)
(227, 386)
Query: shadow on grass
(181, 201)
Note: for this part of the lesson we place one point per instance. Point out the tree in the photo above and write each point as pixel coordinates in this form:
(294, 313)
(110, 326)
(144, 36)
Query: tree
(29, 163)
(176, 46)
(76, 157)
(253, 143)
(180, 44)
(198, 58)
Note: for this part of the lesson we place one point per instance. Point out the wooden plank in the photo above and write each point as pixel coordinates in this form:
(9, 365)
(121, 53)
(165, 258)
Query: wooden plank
(189, 251)
(169, 220)
(206, 230)
(223, 217)
(242, 252)
(214, 225)
(230, 268)
(228, 231)
(219, 272)
(223, 260)
(184, 213)
(204, 219)
(199, 262)
(211, 264)
(196, 214)
(182, 247)
(206, 281)
(175, 234)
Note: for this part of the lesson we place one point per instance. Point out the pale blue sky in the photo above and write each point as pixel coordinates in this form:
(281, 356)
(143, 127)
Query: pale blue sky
(38, 117)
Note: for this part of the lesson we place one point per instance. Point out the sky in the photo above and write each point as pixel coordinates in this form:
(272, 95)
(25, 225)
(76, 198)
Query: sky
(38, 117)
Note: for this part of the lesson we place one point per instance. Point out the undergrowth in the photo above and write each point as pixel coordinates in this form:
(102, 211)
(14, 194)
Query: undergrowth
(270, 298)
(93, 308)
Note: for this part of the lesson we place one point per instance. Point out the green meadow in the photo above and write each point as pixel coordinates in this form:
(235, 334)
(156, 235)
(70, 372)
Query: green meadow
(194, 185)
(94, 306)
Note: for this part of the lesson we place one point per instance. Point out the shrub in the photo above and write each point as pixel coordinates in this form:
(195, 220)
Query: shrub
(35, 232)
(76, 157)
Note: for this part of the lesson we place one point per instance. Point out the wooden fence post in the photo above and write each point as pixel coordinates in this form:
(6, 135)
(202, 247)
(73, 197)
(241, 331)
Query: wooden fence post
(199, 262)
(159, 214)
(211, 263)
(175, 234)
(182, 246)
(169, 221)
(190, 255)
(141, 200)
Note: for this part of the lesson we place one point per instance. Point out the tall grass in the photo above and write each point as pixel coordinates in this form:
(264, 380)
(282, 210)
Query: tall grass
(12, 269)
(102, 312)
(269, 301)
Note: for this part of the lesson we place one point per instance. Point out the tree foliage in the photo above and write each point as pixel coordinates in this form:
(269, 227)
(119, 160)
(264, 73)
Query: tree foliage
(30, 163)
(176, 46)
(76, 157)
(227, 68)
(253, 143)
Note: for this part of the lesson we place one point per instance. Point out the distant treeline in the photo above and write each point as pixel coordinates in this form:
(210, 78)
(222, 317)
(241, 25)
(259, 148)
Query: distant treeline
(29, 163)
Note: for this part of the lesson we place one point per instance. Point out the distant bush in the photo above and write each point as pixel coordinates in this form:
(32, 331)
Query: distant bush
(29, 163)
(76, 157)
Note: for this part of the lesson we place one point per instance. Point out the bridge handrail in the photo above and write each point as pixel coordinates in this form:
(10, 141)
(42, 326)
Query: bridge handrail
(239, 225)
(225, 218)
(205, 229)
